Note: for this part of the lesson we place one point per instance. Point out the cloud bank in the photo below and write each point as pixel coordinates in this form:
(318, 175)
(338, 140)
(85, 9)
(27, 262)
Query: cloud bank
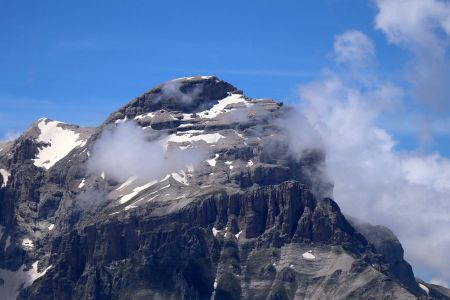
(126, 150)
(423, 28)
(406, 191)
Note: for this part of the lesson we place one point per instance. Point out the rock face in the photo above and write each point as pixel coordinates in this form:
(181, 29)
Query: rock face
(247, 222)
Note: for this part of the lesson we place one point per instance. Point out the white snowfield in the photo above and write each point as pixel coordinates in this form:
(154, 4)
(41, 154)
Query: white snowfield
(14, 281)
(217, 109)
(212, 162)
(61, 141)
(309, 256)
(222, 104)
(152, 195)
(120, 121)
(136, 191)
(82, 183)
(5, 174)
(424, 288)
(126, 183)
(215, 231)
(190, 78)
(193, 136)
(181, 177)
(150, 115)
(230, 164)
(27, 243)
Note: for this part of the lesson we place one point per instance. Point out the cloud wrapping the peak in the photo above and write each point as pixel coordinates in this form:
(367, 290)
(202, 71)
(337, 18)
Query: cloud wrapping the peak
(405, 191)
(126, 150)
(172, 90)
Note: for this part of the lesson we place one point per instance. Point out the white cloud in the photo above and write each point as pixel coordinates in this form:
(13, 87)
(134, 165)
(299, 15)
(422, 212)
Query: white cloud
(126, 150)
(406, 191)
(439, 281)
(10, 135)
(423, 28)
(413, 22)
(353, 47)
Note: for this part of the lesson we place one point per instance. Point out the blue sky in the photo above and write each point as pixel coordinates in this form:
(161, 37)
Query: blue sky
(385, 117)
(77, 61)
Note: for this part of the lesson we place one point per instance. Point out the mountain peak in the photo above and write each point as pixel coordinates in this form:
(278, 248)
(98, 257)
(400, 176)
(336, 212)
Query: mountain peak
(187, 95)
(203, 181)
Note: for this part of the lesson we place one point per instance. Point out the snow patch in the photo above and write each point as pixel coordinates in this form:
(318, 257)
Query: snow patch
(14, 281)
(81, 183)
(150, 115)
(424, 288)
(136, 191)
(5, 174)
(61, 141)
(220, 106)
(180, 177)
(239, 135)
(189, 136)
(51, 226)
(212, 162)
(126, 183)
(215, 231)
(120, 121)
(237, 235)
(249, 163)
(191, 78)
(27, 243)
(165, 178)
(308, 255)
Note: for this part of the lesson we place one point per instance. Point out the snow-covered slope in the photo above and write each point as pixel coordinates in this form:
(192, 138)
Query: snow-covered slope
(59, 141)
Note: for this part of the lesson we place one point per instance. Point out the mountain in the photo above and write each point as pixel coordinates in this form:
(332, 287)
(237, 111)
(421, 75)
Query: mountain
(226, 210)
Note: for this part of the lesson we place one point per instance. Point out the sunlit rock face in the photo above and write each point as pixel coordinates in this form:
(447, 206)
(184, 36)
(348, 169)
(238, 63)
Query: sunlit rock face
(190, 191)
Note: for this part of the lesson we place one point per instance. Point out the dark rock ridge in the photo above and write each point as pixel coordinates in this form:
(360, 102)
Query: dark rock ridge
(246, 223)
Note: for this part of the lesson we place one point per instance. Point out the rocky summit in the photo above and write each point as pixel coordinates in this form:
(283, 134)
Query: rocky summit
(189, 191)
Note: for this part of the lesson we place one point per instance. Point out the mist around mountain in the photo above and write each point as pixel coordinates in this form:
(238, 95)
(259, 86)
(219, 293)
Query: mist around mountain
(190, 191)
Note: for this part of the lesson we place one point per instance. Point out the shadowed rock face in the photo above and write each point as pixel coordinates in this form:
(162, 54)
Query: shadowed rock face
(387, 244)
(243, 224)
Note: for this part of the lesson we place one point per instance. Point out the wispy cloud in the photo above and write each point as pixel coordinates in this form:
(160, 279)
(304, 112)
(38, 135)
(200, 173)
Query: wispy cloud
(422, 28)
(406, 191)
(125, 151)
(10, 135)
